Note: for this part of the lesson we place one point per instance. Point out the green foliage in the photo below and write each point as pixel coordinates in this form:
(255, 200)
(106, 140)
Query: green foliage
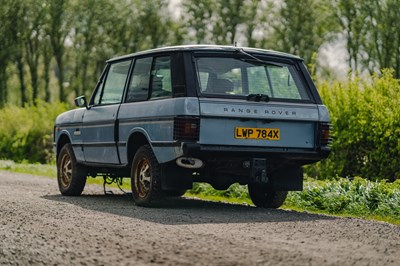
(26, 133)
(372, 38)
(63, 44)
(222, 21)
(358, 197)
(302, 27)
(48, 170)
(366, 121)
(235, 191)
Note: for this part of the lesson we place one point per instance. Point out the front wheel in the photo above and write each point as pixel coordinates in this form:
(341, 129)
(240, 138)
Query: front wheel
(145, 177)
(71, 176)
(264, 197)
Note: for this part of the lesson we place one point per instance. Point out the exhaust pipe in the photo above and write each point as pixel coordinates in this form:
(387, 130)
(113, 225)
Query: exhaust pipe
(191, 163)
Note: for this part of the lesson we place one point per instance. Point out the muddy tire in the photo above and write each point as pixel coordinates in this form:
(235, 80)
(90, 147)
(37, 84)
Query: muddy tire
(71, 176)
(264, 197)
(145, 177)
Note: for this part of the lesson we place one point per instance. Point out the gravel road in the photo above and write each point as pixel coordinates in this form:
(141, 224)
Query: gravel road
(38, 226)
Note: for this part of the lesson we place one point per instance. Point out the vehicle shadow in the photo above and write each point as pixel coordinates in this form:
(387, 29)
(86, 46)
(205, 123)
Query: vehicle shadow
(178, 211)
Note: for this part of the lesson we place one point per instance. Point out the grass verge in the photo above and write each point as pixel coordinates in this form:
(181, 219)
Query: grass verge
(358, 198)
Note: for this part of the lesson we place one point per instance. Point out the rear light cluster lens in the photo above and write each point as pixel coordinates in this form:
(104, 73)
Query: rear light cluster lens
(186, 128)
(325, 138)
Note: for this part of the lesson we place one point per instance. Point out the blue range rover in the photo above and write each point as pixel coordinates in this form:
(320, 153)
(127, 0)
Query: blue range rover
(168, 117)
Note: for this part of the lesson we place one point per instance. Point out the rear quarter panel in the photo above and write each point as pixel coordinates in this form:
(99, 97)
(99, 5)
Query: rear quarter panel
(155, 120)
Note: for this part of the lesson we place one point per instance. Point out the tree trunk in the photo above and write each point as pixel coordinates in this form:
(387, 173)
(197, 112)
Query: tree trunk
(60, 76)
(34, 79)
(46, 73)
(21, 77)
(3, 85)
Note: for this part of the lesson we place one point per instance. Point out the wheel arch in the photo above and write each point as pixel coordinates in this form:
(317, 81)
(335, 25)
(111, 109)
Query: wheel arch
(136, 140)
(62, 140)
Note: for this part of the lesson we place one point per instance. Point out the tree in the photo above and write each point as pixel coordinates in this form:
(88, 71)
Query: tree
(58, 29)
(229, 17)
(88, 18)
(17, 11)
(197, 16)
(251, 20)
(352, 21)
(47, 56)
(302, 27)
(382, 37)
(32, 36)
(372, 36)
(5, 48)
(156, 32)
(225, 21)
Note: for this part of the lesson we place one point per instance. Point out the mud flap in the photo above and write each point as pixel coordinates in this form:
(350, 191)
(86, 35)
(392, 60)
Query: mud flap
(287, 179)
(175, 178)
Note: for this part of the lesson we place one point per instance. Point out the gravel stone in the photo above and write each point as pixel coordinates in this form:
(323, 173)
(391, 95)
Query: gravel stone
(38, 226)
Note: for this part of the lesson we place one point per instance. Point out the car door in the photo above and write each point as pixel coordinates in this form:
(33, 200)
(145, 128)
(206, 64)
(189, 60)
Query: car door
(99, 128)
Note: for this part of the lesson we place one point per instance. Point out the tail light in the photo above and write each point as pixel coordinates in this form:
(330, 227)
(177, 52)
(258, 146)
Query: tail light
(325, 138)
(186, 128)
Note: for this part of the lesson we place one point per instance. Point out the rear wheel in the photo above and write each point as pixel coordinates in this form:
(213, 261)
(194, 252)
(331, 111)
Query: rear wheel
(145, 177)
(71, 176)
(264, 197)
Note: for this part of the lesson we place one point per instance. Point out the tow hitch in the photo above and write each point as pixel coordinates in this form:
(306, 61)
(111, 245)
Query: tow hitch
(259, 170)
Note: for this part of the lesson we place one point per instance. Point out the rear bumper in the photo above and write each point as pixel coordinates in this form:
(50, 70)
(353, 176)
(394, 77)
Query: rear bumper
(300, 156)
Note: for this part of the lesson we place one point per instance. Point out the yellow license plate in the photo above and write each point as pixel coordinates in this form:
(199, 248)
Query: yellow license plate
(257, 133)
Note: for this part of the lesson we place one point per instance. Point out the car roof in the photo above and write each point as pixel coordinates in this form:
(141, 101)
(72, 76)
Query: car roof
(206, 48)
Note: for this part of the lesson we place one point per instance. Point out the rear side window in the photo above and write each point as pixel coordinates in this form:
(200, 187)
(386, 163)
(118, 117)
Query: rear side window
(161, 85)
(138, 89)
(113, 86)
(150, 77)
(240, 77)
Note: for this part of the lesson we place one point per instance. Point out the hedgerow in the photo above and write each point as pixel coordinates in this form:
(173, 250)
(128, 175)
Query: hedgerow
(365, 115)
(26, 134)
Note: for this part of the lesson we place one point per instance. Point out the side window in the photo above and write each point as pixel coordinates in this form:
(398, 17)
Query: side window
(161, 85)
(139, 86)
(97, 96)
(114, 83)
(204, 77)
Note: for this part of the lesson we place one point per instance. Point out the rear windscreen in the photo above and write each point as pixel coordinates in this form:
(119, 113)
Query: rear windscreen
(238, 77)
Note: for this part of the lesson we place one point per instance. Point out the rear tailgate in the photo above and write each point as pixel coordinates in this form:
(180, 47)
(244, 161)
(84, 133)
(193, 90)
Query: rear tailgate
(257, 124)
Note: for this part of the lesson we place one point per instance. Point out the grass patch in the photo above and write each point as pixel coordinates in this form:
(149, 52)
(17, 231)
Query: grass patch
(27, 168)
(50, 170)
(358, 198)
(234, 194)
